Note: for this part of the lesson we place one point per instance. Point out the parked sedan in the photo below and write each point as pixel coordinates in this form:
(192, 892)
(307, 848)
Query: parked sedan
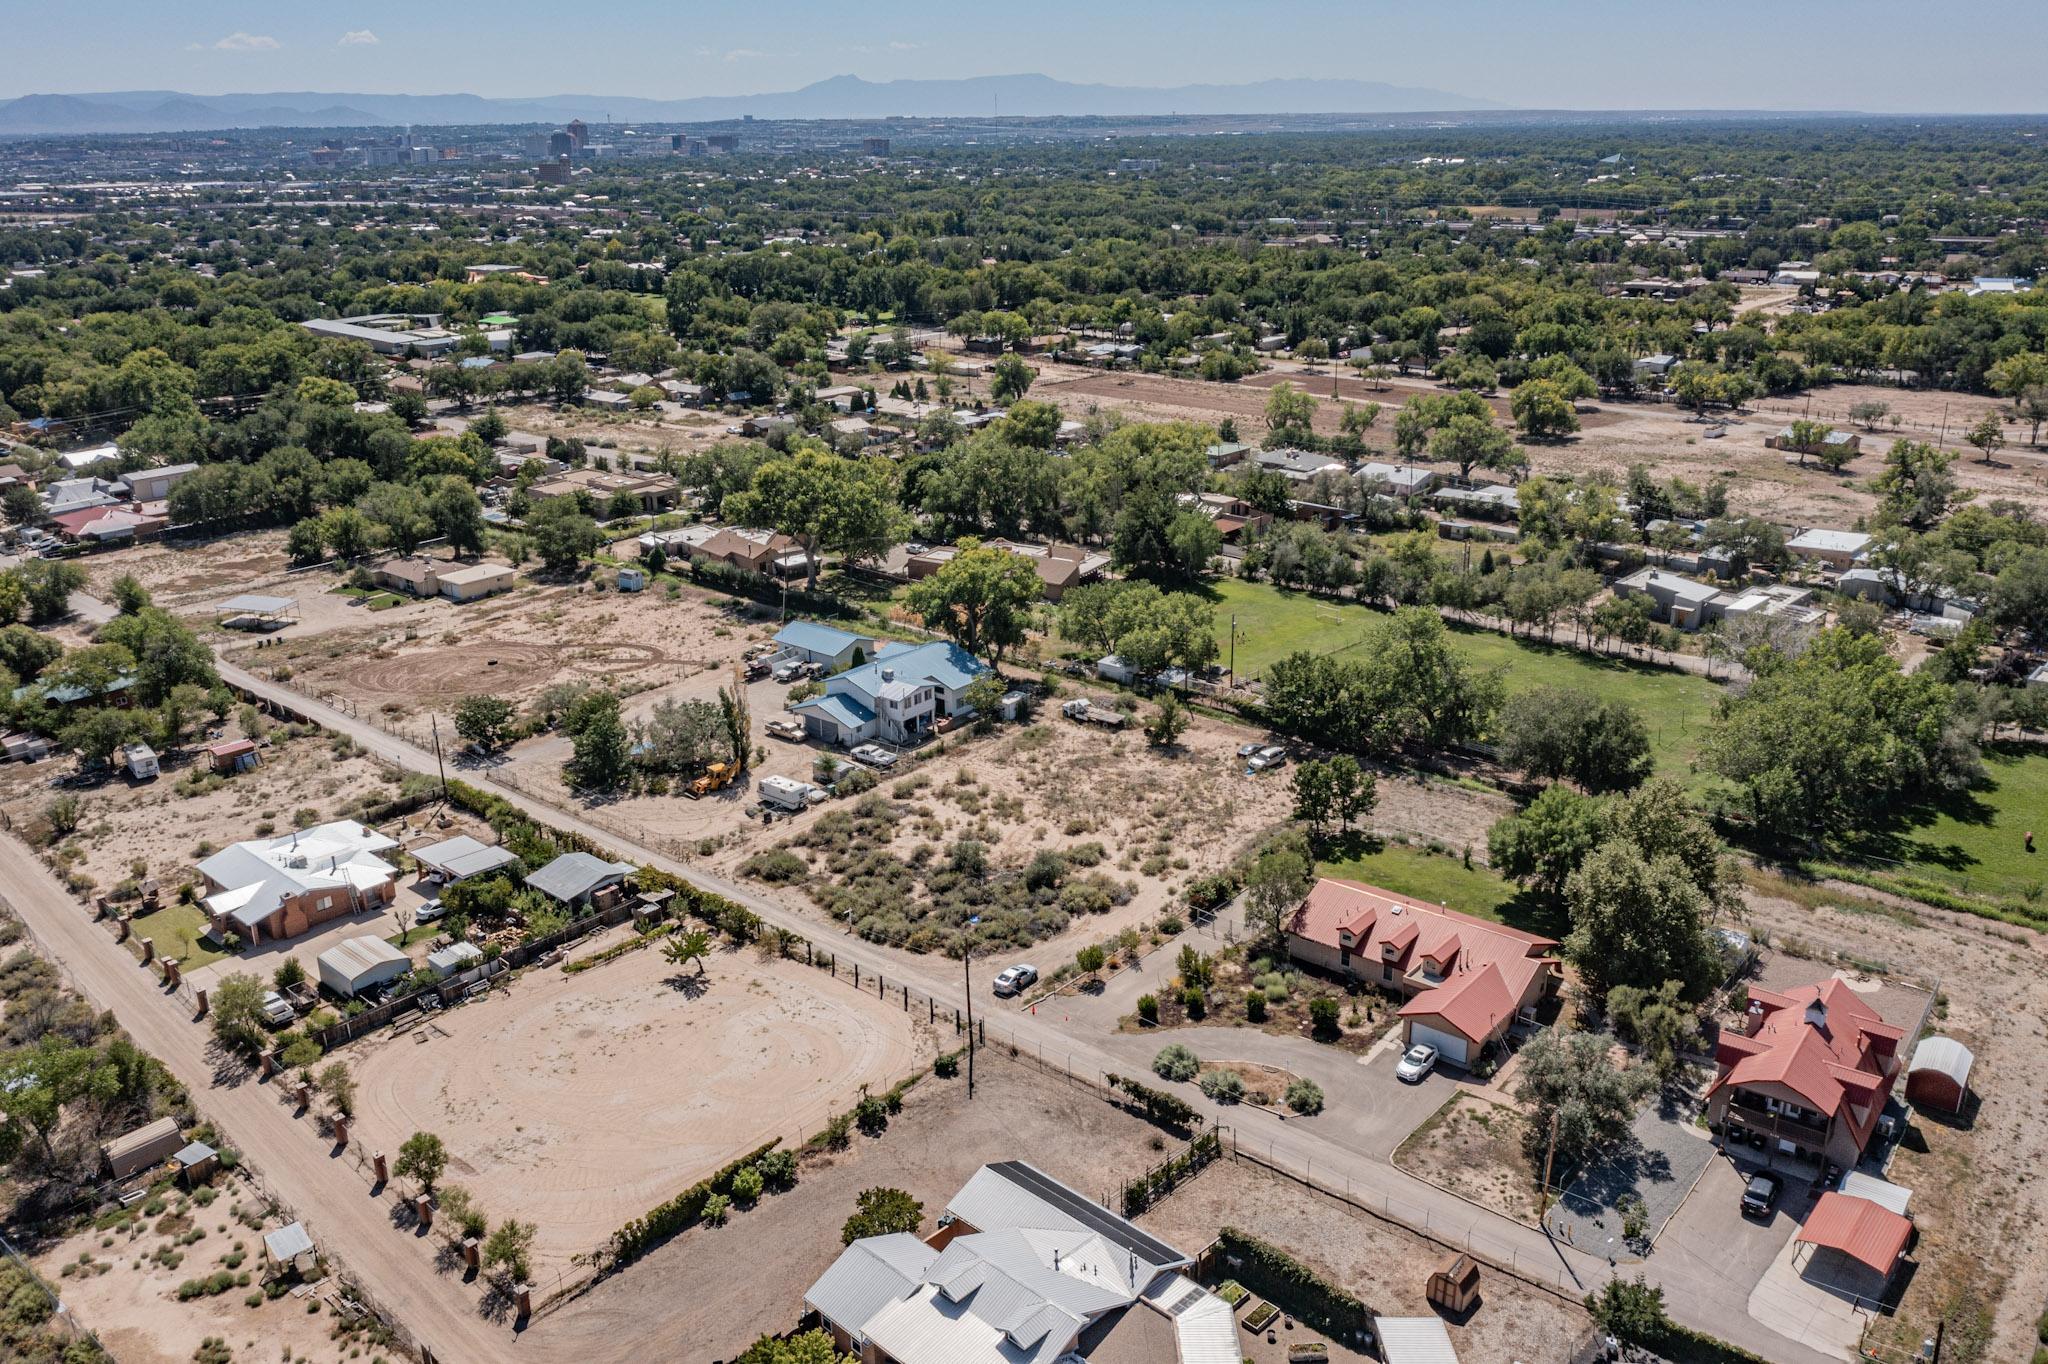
(430, 911)
(1269, 757)
(1016, 979)
(1416, 1063)
(1760, 1195)
(873, 755)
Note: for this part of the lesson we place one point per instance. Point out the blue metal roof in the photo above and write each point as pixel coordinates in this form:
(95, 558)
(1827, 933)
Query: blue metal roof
(940, 663)
(846, 710)
(817, 638)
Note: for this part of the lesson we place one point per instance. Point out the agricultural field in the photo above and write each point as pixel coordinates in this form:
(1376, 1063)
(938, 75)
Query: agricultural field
(1272, 624)
(578, 1101)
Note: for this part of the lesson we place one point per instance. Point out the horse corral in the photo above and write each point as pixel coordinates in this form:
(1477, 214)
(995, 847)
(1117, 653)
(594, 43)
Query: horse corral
(579, 1101)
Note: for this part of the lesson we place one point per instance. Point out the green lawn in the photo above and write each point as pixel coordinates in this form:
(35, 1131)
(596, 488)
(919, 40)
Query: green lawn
(1443, 879)
(1976, 842)
(1272, 624)
(178, 931)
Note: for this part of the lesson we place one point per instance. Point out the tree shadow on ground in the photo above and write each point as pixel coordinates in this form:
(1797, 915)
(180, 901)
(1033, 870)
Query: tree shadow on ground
(688, 984)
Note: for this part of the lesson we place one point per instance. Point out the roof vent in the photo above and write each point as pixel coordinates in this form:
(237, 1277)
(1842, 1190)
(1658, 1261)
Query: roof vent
(888, 674)
(1817, 1015)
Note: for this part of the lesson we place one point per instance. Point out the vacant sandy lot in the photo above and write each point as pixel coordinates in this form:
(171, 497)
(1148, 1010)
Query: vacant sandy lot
(425, 657)
(121, 1283)
(196, 573)
(578, 1102)
(1616, 436)
(1382, 1264)
(710, 1291)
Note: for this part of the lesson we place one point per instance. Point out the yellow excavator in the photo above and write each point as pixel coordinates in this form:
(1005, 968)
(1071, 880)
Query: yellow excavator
(716, 777)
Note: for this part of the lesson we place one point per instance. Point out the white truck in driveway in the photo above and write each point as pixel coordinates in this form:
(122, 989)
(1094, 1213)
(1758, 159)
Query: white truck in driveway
(1089, 714)
(786, 793)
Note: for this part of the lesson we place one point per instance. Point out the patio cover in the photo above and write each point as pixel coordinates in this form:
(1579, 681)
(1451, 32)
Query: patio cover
(256, 604)
(1859, 1228)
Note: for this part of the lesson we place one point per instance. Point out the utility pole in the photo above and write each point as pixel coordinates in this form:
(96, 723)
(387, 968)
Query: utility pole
(967, 981)
(1543, 1189)
(1233, 648)
(437, 758)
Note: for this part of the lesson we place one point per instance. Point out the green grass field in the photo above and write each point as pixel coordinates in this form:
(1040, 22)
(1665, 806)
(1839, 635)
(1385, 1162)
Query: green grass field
(1444, 879)
(1271, 624)
(178, 930)
(1976, 842)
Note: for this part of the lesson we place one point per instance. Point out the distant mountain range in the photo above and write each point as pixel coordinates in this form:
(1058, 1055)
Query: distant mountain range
(161, 111)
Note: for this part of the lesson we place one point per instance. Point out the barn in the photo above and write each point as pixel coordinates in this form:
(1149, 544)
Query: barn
(1940, 1074)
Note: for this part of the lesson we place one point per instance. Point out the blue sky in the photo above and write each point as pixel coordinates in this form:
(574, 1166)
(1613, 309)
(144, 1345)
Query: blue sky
(1882, 55)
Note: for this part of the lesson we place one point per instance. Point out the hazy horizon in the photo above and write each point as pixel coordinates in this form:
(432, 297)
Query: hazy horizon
(1877, 56)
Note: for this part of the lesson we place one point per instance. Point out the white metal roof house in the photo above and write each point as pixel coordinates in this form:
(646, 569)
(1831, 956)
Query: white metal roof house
(1023, 1271)
(1839, 548)
(461, 857)
(280, 887)
(574, 878)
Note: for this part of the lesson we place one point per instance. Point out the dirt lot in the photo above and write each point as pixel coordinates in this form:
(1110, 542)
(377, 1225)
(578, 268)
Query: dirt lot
(1618, 435)
(580, 1101)
(1473, 1147)
(710, 1291)
(1978, 1199)
(426, 656)
(197, 574)
(121, 1282)
(1382, 1264)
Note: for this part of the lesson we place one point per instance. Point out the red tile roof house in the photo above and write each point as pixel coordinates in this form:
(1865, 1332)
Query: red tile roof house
(1810, 1074)
(1466, 979)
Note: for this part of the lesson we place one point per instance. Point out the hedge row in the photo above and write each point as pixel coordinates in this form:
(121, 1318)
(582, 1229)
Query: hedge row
(617, 950)
(1272, 1273)
(1160, 1107)
(644, 1233)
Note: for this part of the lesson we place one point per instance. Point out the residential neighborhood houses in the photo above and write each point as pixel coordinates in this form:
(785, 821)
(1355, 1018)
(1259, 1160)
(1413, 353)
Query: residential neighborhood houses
(913, 739)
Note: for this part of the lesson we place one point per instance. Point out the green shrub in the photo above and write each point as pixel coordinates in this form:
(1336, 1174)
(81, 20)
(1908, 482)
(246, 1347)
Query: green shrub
(1176, 1062)
(1305, 1096)
(1323, 1012)
(1255, 1006)
(1272, 1273)
(778, 1170)
(1148, 1008)
(747, 1186)
(1222, 1086)
(715, 1209)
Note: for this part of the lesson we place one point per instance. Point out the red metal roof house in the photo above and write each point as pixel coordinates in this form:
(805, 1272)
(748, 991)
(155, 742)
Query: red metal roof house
(1465, 978)
(1810, 1076)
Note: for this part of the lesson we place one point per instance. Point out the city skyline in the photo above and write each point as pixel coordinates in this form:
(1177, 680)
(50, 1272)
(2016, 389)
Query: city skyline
(1574, 54)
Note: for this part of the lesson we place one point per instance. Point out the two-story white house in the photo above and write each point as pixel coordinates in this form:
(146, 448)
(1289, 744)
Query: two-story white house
(897, 698)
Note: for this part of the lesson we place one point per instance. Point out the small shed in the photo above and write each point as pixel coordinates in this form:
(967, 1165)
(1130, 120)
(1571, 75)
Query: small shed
(1454, 1285)
(140, 760)
(1940, 1074)
(632, 578)
(196, 1163)
(358, 964)
(151, 1144)
(233, 755)
(291, 1247)
(454, 958)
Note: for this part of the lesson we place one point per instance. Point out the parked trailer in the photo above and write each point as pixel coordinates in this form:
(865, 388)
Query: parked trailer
(1088, 714)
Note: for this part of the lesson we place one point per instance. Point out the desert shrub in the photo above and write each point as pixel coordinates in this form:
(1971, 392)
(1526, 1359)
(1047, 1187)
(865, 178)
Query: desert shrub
(1148, 1008)
(778, 1170)
(1255, 1006)
(1305, 1096)
(776, 866)
(1322, 1013)
(715, 1209)
(1176, 1062)
(748, 1183)
(1223, 1086)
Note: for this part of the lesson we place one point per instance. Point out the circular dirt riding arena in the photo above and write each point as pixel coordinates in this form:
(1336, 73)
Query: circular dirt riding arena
(578, 1102)
(463, 670)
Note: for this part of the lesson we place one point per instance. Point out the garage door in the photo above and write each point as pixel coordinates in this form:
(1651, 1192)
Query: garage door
(1449, 1044)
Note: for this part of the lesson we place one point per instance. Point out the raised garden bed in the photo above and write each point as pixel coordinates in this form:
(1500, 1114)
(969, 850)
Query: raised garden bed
(1233, 1292)
(1260, 1317)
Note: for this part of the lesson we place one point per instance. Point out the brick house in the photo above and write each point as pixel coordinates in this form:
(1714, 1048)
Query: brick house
(271, 888)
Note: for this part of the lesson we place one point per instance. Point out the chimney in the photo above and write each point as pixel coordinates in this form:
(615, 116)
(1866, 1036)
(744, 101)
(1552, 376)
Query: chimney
(1055, 1259)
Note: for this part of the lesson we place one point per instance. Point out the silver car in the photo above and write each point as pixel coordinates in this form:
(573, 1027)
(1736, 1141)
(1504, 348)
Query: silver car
(1016, 979)
(873, 755)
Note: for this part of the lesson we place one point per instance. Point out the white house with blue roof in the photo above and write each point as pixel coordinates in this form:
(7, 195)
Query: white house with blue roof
(897, 697)
(827, 645)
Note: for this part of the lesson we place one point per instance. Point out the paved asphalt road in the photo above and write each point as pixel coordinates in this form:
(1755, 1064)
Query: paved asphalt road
(444, 1314)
